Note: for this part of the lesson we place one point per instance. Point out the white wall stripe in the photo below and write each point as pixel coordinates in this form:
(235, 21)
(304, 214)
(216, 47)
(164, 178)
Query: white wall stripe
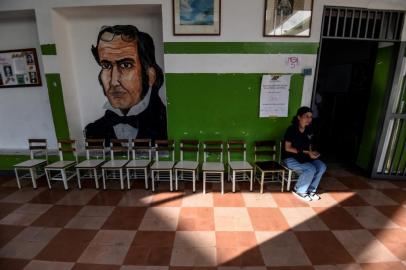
(237, 63)
(51, 64)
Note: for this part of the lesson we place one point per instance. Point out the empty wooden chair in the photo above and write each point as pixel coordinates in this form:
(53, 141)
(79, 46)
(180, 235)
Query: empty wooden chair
(213, 171)
(186, 169)
(35, 165)
(266, 168)
(161, 169)
(64, 169)
(141, 159)
(238, 167)
(114, 168)
(95, 157)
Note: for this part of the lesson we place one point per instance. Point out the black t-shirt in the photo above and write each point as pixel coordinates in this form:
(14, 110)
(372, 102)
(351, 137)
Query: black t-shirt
(300, 140)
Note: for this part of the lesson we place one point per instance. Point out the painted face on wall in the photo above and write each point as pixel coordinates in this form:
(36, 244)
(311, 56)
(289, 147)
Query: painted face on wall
(121, 72)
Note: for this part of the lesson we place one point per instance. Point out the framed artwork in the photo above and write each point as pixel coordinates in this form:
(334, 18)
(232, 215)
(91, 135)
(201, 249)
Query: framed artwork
(288, 18)
(196, 17)
(19, 68)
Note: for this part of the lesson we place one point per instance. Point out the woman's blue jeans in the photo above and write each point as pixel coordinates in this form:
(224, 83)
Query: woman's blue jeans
(310, 174)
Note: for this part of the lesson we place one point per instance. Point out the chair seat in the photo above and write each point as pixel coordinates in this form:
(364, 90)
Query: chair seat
(213, 166)
(187, 165)
(240, 165)
(30, 163)
(162, 165)
(269, 166)
(62, 164)
(138, 164)
(115, 164)
(89, 164)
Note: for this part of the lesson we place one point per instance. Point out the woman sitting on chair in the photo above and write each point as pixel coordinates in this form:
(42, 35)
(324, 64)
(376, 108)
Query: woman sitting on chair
(299, 156)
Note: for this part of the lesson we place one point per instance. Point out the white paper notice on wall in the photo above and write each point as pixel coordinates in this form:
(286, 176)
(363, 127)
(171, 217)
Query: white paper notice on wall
(274, 98)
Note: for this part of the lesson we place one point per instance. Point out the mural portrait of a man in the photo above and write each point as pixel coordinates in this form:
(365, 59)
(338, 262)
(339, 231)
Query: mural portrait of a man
(131, 79)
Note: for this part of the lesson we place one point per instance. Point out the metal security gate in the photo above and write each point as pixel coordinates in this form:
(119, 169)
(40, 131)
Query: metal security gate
(390, 161)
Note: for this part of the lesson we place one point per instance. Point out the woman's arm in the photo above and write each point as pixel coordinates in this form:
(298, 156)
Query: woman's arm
(291, 149)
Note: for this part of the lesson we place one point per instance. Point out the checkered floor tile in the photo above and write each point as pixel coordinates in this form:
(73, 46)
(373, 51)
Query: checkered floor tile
(358, 224)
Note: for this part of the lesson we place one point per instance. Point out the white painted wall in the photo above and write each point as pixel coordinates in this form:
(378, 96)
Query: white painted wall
(75, 31)
(24, 111)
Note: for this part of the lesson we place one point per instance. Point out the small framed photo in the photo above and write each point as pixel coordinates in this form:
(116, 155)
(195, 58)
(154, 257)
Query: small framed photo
(19, 68)
(196, 17)
(288, 18)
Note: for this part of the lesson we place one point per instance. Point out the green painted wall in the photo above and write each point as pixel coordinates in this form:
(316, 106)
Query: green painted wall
(224, 106)
(380, 83)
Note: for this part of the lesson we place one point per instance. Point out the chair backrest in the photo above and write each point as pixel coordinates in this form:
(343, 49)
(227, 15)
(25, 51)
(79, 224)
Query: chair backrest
(67, 146)
(95, 149)
(213, 148)
(191, 147)
(38, 147)
(162, 147)
(265, 150)
(119, 149)
(236, 148)
(142, 149)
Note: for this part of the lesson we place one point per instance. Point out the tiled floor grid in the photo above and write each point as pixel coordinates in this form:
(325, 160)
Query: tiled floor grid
(358, 224)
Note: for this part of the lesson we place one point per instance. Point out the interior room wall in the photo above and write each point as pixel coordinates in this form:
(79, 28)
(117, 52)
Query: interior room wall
(24, 111)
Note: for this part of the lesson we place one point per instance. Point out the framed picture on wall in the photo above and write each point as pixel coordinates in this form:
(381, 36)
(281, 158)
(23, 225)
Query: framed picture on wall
(196, 17)
(19, 68)
(288, 18)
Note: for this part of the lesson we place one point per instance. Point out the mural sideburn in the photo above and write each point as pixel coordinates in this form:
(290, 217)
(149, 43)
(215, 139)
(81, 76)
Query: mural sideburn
(131, 79)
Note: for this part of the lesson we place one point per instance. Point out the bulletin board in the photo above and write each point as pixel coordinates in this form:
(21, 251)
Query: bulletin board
(19, 68)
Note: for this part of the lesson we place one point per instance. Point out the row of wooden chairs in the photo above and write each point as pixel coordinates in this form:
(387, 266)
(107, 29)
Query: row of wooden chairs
(133, 159)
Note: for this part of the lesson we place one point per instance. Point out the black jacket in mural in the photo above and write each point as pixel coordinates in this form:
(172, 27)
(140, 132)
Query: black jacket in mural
(151, 123)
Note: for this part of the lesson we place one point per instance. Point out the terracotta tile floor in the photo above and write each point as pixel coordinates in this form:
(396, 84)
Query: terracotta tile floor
(358, 225)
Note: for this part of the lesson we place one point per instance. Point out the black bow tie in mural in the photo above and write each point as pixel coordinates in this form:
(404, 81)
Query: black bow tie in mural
(115, 119)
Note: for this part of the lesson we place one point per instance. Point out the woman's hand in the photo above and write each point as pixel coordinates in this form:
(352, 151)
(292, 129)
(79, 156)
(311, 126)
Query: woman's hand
(314, 154)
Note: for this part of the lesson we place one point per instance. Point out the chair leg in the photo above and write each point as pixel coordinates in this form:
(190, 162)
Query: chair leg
(222, 182)
(96, 179)
(146, 178)
(48, 176)
(121, 179)
(34, 182)
(64, 180)
(194, 180)
(233, 180)
(170, 180)
(204, 182)
(262, 182)
(17, 178)
(251, 180)
(153, 180)
(78, 177)
(128, 179)
(289, 179)
(283, 180)
(104, 178)
(176, 179)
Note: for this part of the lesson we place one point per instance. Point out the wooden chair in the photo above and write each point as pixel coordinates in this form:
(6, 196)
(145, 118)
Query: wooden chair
(95, 157)
(114, 168)
(141, 159)
(187, 170)
(161, 169)
(266, 168)
(213, 171)
(238, 169)
(64, 169)
(34, 166)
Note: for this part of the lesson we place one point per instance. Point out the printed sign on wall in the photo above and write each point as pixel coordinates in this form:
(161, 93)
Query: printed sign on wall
(274, 99)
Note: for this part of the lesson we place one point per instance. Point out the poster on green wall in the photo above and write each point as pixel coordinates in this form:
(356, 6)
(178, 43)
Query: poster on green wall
(274, 97)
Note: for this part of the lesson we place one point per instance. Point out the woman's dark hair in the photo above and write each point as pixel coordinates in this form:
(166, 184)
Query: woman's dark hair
(146, 53)
(301, 111)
